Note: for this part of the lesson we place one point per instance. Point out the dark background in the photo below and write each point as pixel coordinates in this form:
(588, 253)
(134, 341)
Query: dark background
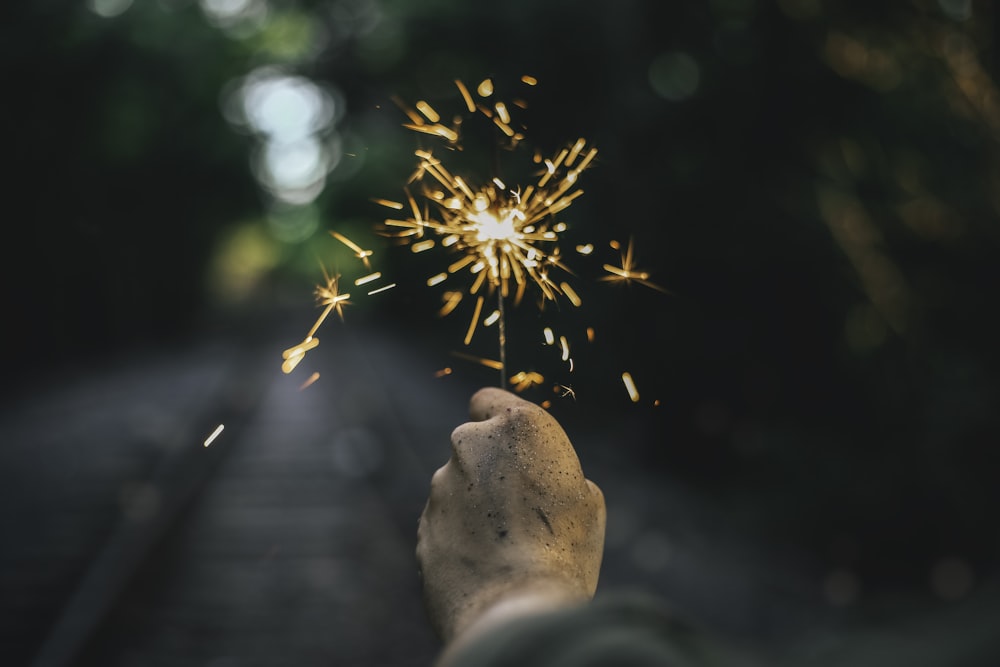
(816, 183)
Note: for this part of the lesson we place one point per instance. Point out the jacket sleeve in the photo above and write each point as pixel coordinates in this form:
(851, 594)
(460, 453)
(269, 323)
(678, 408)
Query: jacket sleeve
(623, 630)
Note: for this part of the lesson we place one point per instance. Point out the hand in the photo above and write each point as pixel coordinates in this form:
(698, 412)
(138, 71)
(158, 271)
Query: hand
(511, 525)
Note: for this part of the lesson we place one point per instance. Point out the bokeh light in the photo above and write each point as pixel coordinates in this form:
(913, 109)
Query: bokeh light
(674, 76)
(293, 119)
(109, 8)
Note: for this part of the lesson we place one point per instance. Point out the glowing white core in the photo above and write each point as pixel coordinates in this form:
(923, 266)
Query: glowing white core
(491, 228)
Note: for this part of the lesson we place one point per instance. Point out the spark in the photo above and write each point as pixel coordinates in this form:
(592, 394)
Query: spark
(525, 379)
(328, 295)
(628, 273)
(451, 301)
(566, 390)
(388, 203)
(469, 104)
(215, 434)
(300, 349)
(428, 111)
(360, 252)
(382, 289)
(633, 393)
(571, 294)
(482, 361)
(475, 319)
(312, 378)
(444, 371)
(297, 353)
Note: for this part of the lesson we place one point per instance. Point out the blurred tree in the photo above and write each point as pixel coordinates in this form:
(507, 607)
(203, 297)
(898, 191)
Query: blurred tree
(815, 182)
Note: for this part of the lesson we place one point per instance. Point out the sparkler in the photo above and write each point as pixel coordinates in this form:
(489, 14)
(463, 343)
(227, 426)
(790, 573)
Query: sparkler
(493, 240)
(504, 239)
(627, 272)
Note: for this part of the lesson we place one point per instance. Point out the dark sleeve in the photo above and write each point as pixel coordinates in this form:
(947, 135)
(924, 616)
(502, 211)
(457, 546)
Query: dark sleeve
(617, 631)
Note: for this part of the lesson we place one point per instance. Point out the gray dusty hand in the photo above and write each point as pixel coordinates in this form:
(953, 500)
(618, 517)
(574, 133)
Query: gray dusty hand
(510, 516)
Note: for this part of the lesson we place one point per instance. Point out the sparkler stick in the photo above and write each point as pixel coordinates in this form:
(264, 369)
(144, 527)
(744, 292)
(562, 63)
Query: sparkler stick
(502, 339)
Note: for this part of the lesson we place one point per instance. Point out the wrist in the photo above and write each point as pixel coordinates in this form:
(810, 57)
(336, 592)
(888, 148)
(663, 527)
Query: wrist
(493, 611)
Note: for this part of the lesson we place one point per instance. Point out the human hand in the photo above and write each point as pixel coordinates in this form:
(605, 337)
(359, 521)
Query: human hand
(511, 525)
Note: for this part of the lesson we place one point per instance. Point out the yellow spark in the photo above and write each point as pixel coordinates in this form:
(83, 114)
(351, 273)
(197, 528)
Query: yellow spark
(564, 344)
(504, 127)
(474, 321)
(388, 203)
(428, 111)
(289, 364)
(575, 151)
(436, 130)
(367, 279)
(382, 289)
(451, 300)
(469, 104)
(215, 434)
(312, 378)
(571, 294)
(437, 279)
(300, 349)
(525, 379)
(293, 355)
(591, 335)
(633, 393)
(530, 80)
(422, 246)
(359, 252)
(550, 338)
(414, 117)
(329, 295)
(502, 112)
(441, 373)
(566, 391)
(489, 363)
(628, 273)
(485, 88)
(492, 318)
(461, 264)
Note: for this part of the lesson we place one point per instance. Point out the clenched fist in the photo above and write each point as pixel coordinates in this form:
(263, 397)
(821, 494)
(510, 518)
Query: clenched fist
(511, 525)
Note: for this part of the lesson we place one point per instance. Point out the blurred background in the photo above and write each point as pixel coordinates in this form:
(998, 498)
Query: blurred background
(806, 475)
